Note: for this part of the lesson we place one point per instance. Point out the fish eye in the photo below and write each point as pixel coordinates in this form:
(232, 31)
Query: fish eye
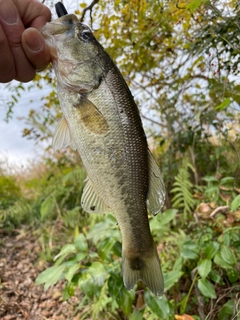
(85, 35)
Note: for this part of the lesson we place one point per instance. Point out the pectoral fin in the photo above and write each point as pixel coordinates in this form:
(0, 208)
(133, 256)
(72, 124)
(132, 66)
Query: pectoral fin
(91, 202)
(62, 136)
(91, 116)
(156, 190)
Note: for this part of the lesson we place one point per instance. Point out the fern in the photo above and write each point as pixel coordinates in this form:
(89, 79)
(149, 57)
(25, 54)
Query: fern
(74, 217)
(183, 196)
(101, 302)
(19, 212)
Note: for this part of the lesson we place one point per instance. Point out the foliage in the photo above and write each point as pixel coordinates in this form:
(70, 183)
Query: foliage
(9, 191)
(9, 194)
(208, 256)
(49, 190)
(200, 260)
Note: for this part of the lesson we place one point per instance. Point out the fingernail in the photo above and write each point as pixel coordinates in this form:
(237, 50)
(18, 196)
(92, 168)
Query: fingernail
(34, 43)
(8, 12)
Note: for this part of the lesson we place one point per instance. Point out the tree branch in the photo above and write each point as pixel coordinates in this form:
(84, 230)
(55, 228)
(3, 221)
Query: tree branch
(154, 121)
(88, 8)
(198, 294)
(222, 209)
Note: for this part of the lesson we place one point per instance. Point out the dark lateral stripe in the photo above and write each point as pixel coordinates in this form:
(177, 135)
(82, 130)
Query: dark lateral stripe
(60, 9)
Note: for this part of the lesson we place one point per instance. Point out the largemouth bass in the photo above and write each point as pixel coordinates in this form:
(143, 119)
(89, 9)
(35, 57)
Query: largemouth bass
(102, 122)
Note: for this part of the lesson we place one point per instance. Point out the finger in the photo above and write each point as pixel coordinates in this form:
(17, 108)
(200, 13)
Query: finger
(13, 29)
(36, 48)
(6, 59)
(33, 13)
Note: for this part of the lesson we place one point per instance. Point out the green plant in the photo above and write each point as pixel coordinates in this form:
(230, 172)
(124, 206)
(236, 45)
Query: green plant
(93, 263)
(9, 191)
(219, 190)
(182, 190)
(209, 258)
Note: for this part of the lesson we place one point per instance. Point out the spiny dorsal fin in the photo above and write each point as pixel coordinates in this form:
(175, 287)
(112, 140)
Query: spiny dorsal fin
(91, 202)
(156, 190)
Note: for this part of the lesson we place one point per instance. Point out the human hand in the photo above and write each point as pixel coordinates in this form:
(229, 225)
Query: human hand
(22, 47)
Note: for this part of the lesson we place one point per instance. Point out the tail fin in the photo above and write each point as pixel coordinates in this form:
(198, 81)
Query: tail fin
(147, 269)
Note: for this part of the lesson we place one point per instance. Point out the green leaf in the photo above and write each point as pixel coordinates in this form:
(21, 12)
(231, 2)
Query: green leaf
(117, 290)
(235, 204)
(227, 255)
(160, 223)
(117, 249)
(188, 254)
(137, 315)
(158, 306)
(226, 239)
(210, 179)
(233, 274)
(80, 256)
(125, 300)
(105, 247)
(68, 291)
(170, 278)
(71, 271)
(189, 250)
(86, 284)
(226, 102)
(47, 206)
(211, 249)
(189, 244)
(206, 288)
(226, 180)
(68, 248)
(105, 229)
(178, 263)
(226, 310)
(167, 216)
(216, 277)
(194, 5)
(212, 190)
(219, 261)
(98, 272)
(50, 276)
(81, 243)
(204, 267)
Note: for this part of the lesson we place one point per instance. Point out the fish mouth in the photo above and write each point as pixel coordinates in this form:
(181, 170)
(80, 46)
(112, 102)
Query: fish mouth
(61, 26)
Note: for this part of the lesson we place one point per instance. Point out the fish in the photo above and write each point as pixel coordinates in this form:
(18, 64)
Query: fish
(102, 122)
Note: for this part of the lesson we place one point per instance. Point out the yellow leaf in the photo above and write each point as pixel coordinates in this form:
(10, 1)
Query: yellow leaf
(83, 5)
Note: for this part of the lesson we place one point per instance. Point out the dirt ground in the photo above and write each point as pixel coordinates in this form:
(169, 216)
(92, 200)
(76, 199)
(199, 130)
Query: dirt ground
(19, 297)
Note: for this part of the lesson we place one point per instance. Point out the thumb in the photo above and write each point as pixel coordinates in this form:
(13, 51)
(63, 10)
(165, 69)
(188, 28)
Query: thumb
(35, 48)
